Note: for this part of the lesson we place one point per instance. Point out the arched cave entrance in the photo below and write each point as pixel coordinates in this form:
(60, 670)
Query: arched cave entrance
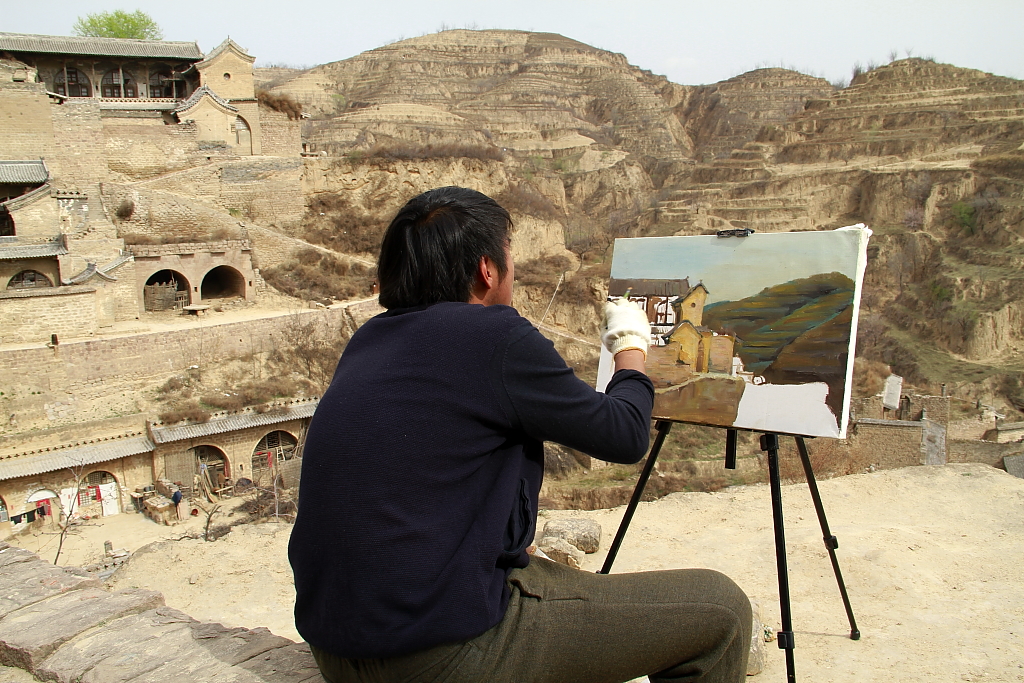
(272, 450)
(165, 290)
(45, 503)
(212, 467)
(6, 223)
(99, 493)
(223, 282)
(243, 136)
(5, 516)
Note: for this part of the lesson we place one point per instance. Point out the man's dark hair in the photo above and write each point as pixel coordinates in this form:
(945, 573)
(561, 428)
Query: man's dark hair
(432, 248)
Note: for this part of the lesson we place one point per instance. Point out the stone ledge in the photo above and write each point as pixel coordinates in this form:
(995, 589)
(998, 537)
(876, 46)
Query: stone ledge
(58, 625)
(45, 291)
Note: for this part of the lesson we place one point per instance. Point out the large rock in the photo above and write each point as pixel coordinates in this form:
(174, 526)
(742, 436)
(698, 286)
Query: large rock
(30, 634)
(584, 534)
(559, 550)
(758, 654)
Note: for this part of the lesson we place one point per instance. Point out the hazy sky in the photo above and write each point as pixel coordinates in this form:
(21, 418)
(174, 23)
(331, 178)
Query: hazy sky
(733, 268)
(690, 42)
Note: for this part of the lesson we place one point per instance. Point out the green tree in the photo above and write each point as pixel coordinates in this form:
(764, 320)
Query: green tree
(118, 24)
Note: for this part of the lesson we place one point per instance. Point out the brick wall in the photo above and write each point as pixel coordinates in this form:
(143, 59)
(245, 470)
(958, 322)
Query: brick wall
(33, 380)
(24, 119)
(267, 190)
(79, 141)
(37, 219)
(281, 137)
(158, 214)
(35, 315)
(136, 151)
(982, 451)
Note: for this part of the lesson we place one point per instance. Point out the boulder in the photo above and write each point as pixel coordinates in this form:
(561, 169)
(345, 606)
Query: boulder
(584, 534)
(758, 654)
(559, 550)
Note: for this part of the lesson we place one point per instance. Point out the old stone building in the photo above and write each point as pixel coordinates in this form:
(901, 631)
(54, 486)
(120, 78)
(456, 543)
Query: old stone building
(84, 121)
(101, 476)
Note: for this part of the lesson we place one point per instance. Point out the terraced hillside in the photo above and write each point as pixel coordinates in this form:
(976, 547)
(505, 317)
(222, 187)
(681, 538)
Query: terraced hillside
(929, 155)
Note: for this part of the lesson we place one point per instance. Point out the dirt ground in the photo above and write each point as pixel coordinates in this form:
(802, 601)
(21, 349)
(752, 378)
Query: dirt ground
(931, 557)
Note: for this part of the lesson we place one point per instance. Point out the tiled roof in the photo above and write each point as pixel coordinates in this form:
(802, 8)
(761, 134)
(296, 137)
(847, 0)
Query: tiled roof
(643, 287)
(107, 47)
(33, 171)
(229, 423)
(228, 43)
(194, 98)
(53, 459)
(12, 252)
(101, 271)
(27, 198)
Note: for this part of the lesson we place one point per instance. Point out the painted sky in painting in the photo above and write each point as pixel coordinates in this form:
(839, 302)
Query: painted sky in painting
(736, 267)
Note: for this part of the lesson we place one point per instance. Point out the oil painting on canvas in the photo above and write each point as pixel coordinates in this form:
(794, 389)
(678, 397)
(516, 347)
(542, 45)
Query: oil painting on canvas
(754, 332)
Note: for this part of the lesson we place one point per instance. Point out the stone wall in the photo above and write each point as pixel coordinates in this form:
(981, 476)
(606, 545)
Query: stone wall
(24, 117)
(264, 189)
(281, 136)
(79, 373)
(160, 214)
(80, 143)
(137, 151)
(982, 451)
(39, 218)
(35, 314)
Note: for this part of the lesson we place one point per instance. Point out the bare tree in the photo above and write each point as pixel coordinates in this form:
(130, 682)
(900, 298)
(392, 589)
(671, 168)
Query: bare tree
(65, 523)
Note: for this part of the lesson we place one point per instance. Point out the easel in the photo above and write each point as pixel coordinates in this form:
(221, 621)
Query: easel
(769, 444)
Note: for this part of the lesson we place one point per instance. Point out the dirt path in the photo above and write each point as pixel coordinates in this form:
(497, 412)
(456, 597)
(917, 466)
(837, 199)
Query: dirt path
(931, 556)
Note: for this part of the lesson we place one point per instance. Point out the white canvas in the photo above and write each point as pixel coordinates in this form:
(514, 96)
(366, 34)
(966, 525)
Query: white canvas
(752, 332)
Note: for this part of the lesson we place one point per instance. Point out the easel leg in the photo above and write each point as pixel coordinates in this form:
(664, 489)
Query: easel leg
(663, 427)
(770, 444)
(830, 541)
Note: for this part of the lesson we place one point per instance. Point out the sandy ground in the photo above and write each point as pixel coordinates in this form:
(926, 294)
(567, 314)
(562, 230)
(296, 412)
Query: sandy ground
(932, 558)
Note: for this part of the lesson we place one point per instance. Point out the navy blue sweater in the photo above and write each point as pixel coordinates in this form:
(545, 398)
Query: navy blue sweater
(421, 471)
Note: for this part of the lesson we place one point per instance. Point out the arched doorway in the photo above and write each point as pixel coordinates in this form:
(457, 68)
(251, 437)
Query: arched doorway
(212, 467)
(5, 515)
(165, 290)
(99, 490)
(273, 449)
(223, 282)
(243, 136)
(46, 503)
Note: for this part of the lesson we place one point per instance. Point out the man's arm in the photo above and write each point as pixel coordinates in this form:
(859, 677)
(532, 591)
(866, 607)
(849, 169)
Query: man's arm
(544, 398)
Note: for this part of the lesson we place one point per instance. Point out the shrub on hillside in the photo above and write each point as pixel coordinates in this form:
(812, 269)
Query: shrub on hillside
(542, 272)
(526, 199)
(332, 222)
(188, 410)
(314, 276)
(401, 150)
(285, 104)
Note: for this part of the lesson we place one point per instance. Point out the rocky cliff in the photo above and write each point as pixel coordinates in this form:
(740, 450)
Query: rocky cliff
(576, 138)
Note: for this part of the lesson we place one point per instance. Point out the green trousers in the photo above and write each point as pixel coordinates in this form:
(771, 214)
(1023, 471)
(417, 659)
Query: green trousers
(568, 626)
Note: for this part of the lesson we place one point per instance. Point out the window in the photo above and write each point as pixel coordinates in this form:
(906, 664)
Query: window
(75, 85)
(165, 83)
(29, 279)
(4, 516)
(112, 86)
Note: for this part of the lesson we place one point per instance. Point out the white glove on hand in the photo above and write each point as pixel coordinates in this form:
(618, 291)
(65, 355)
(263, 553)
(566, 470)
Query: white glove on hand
(625, 326)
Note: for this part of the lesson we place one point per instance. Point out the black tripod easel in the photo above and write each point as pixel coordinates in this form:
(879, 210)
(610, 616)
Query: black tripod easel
(769, 444)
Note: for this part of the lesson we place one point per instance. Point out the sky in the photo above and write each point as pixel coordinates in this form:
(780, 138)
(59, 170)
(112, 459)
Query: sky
(690, 42)
(733, 268)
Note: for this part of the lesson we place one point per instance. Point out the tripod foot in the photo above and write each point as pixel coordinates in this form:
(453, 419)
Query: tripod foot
(855, 634)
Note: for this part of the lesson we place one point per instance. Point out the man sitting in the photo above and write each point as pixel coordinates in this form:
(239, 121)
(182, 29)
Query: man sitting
(420, 479)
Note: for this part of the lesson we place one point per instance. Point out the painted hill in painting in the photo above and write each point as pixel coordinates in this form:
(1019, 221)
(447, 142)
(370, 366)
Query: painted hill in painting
(794, 325)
